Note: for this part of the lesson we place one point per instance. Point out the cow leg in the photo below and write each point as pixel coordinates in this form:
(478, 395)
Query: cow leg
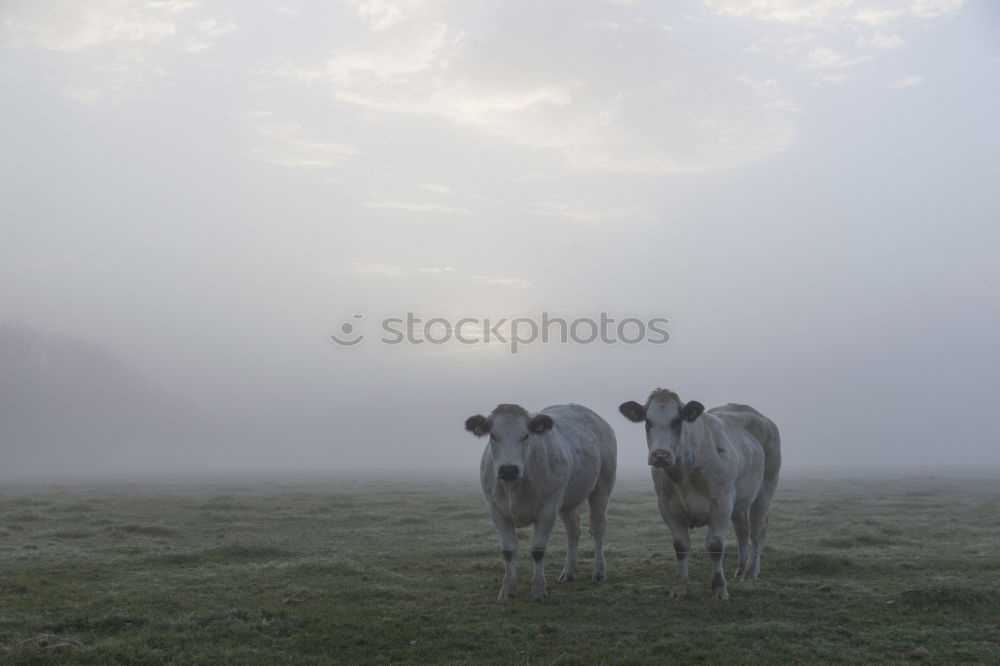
(508, 547)
(544, 522)
(715, 543)
(758, 527)
(741, 524)
(571, 519)
(682, 549)
(598, 502)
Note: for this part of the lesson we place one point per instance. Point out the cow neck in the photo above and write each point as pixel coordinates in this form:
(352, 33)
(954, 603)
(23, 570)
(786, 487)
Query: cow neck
(688, 458)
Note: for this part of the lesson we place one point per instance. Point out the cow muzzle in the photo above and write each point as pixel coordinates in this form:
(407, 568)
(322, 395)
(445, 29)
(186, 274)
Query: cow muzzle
(661, 458)
(508, 472)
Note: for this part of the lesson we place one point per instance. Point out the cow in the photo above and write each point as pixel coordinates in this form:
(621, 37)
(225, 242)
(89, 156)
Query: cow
(537, 466)
(710, 468)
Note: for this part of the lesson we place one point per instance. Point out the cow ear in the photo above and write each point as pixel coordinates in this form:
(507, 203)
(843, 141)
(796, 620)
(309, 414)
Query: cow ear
(478, 425)
(539, 423)
(692, 410)
(633, 411)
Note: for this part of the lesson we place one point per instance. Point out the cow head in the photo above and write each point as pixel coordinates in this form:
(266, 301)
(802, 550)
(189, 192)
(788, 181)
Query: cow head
(665, 417)
(511, 430)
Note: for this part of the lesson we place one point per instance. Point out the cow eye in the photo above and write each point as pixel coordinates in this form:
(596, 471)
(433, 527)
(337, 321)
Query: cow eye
(649, 425)
(524, 439)
(493, 437)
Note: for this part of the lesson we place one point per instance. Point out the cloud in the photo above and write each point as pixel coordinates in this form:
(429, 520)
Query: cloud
(826, 12)
(584, 212)
(928, 9)
(385, 56)
(192, 45)
(174, 6)
(384, 14)
(512, 283)
(208, 29)
(875, 17)
(907, 82)
(285, 146)
(75, 25)
(600, 114)
(213, 28)
(835, 79)
(110, 48)
(418, 206)
(832, 33)
(824, 58)
(376, 269)
(881, 41)
(379, 269)
(437, 189)
(79, 91)
(782, 11)
(288, 12)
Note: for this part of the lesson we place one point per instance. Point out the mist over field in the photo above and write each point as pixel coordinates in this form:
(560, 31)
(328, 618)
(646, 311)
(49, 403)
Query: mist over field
(197, 195)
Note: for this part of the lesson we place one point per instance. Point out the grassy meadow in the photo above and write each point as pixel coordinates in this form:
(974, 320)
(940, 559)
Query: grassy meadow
(873, 571)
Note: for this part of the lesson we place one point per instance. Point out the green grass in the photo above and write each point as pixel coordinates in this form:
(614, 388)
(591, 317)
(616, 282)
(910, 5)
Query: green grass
(311, 573)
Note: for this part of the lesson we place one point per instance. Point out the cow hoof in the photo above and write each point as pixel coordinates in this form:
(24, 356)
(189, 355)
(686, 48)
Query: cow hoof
(538, 595)
(599, 576)
(679, 593)
(506, 593)
(566, 575)
(721, 595)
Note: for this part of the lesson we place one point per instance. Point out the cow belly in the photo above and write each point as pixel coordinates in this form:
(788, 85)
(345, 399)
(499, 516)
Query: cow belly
(579, 489)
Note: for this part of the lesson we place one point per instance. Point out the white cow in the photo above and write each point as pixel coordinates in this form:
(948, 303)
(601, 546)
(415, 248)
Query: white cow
(707, 471)
(536, 466)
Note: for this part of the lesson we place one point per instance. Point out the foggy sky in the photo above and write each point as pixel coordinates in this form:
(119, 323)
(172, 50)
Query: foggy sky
(197, 194)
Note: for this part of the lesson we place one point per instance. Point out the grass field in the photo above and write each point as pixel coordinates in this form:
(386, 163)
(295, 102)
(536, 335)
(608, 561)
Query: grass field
(855, 572)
